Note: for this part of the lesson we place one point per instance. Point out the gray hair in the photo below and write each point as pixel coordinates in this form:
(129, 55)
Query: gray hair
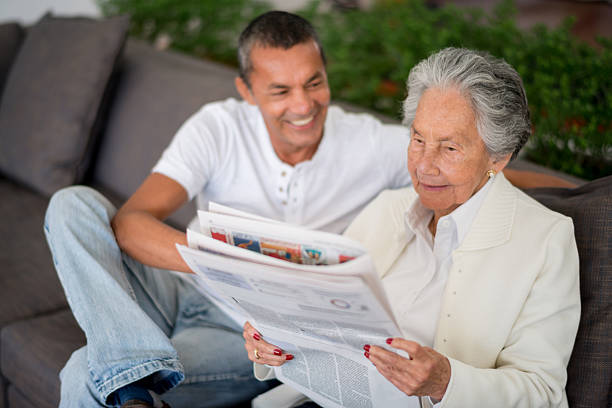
(276, 29)
(491, 85)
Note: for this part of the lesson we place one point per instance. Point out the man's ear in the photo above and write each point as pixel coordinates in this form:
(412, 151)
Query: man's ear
(244, 90)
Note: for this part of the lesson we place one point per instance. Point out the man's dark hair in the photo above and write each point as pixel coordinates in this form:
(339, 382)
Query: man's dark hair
(275, 29)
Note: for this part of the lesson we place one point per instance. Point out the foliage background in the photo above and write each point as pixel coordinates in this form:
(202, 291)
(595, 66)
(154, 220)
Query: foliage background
(370, 53)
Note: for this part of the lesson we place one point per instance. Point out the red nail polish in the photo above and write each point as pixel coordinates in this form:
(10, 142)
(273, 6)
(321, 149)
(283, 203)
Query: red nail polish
(277, 352)
(366, 347)
(289, 357)
(366, 354)
(256, 336)
(389, 340)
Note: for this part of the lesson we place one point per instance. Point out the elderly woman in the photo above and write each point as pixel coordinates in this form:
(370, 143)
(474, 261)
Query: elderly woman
(482, 279)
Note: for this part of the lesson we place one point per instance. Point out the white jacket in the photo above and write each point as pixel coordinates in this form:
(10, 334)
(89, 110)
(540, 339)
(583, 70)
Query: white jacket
(511, 306)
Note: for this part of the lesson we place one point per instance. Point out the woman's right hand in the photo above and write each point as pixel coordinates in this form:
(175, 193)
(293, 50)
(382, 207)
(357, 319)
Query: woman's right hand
(260, 351)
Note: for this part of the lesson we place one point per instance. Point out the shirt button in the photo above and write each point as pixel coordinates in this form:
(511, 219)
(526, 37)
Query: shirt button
(280, 189)
(444, 340)
(448, 315)
(454, 292)
(283, 173)
(284, 202)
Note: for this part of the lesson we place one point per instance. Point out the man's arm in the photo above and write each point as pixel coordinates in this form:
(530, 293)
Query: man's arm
(530, 179)
(138, 225)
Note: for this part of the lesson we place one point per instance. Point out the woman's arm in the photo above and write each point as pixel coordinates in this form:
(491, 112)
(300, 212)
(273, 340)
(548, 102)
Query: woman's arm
(531, 368)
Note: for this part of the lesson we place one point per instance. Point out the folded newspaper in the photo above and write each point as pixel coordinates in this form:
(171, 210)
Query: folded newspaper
(312, 293)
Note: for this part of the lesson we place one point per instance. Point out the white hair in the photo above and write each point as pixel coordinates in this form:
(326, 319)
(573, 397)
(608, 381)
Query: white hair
(491, 85)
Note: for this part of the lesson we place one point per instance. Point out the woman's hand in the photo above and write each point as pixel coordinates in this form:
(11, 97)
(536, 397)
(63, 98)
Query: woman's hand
(425, 373)
(260, 351)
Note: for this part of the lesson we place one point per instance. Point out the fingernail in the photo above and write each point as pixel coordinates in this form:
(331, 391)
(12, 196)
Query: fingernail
(389, 340)
(277, 352)
(366, 354)
(256, 336)
(289, 357)
(366, 347)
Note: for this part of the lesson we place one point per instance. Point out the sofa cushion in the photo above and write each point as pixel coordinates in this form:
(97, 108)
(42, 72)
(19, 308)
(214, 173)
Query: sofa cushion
(28, 282)
(52, 98)
(156, 92)
(17, 399)
(11, 36)
(590, 368)
(35, 350)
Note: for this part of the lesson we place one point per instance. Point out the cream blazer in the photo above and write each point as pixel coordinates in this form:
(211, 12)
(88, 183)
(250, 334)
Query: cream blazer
(511, 305)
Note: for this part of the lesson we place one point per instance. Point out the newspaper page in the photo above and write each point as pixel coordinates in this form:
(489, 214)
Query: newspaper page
(322, 311)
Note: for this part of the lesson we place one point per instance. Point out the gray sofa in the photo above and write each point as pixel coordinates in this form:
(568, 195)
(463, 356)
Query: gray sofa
(134, 106)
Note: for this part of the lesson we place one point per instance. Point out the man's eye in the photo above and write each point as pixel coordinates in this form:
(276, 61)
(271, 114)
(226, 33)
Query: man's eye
(278, 93)
(314, 84)
(451, 149)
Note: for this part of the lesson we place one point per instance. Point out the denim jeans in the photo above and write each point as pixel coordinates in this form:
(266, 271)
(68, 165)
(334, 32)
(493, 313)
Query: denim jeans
(140, 322)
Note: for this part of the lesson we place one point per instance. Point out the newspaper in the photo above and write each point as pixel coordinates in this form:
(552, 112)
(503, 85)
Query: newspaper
(314, 294)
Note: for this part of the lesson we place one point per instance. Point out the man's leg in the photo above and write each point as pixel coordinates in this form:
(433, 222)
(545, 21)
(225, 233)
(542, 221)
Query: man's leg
(125, 343)
(218, 372)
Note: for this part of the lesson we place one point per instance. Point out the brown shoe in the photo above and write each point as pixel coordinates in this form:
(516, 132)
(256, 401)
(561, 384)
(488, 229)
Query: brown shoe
(136, 404)
(141, 404)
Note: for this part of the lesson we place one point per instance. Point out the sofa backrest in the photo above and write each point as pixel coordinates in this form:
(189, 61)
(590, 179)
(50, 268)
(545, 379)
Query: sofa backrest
(589, 381)
(11, 37)
(154, 94)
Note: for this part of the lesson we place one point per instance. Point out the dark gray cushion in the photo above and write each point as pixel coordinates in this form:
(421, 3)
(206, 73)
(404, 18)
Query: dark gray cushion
(28, 282)
(52, 97)
(35, 350)
(11, 36)
(17, 399)
(590, 368)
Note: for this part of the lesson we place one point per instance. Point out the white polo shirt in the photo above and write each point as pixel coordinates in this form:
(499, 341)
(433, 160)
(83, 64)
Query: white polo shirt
(223, 153)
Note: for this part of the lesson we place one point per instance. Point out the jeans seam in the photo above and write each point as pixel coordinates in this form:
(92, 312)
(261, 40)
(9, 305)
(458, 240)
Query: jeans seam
(107, 387)
(151, 297)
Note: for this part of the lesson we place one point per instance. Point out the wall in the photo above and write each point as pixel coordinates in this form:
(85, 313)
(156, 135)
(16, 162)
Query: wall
(29, 11)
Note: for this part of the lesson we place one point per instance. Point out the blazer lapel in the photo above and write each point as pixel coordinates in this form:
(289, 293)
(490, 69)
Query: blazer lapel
(493, 224)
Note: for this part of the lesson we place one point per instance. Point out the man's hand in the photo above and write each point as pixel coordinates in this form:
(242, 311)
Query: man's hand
(425, 373)
(260, 351)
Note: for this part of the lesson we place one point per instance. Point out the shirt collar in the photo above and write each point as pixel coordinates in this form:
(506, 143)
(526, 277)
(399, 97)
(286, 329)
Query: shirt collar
(464, 215)
(417, 217)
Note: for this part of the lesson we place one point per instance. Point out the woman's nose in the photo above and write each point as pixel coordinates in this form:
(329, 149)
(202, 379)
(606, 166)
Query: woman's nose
(428, 163)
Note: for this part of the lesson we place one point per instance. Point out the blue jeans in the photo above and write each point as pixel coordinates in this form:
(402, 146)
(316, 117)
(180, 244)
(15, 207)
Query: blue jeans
(140, 322)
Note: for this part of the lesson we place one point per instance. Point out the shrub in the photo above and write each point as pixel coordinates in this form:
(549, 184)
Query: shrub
(370, 53)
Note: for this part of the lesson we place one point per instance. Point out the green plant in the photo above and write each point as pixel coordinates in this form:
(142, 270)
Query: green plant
(205, 28)
(371, 52)
(568, 83)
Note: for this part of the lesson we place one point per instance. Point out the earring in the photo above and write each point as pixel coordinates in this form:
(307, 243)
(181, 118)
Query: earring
(490, 173)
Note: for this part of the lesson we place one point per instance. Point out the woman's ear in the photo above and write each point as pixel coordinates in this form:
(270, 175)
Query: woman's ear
(244, 90)
(500, 163)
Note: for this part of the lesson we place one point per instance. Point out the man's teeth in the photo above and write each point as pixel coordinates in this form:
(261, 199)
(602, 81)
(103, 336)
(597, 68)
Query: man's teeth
(302, 122)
